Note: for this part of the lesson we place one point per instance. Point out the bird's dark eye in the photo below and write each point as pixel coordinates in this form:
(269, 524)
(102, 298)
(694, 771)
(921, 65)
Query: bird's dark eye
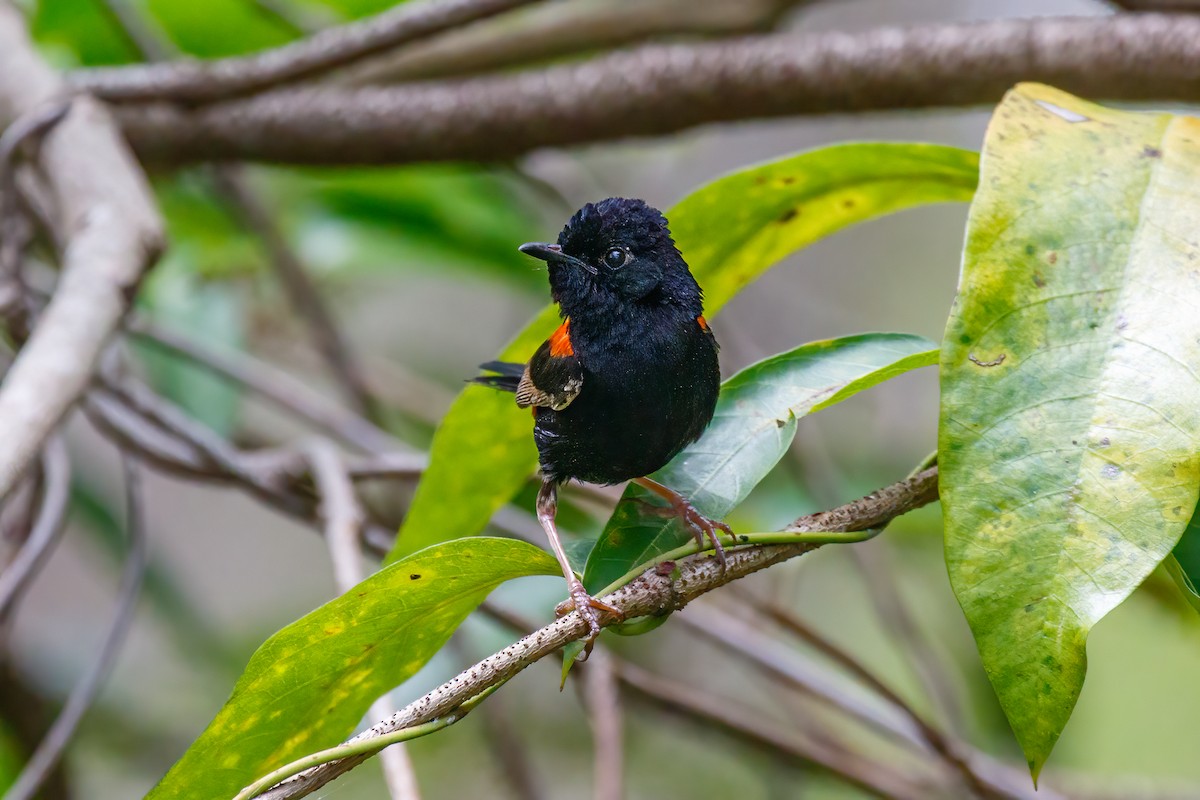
(615, 258)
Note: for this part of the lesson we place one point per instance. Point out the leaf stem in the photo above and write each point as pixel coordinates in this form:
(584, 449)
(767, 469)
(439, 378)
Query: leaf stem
(361, 747)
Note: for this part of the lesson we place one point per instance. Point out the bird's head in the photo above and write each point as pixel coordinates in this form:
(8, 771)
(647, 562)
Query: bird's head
(616, 251)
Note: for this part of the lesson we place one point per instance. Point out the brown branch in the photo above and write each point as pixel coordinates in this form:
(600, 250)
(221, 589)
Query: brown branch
(661, 89)
(651, 594)
(205, 82)
(106, 212)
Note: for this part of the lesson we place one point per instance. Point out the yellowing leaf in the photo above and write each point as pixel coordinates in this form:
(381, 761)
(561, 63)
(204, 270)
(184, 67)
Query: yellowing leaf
(1068, 447)
(308, 685)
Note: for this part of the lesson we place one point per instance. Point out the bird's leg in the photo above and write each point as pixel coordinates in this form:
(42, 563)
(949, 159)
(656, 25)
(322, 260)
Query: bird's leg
(701, 526)
(578, 598)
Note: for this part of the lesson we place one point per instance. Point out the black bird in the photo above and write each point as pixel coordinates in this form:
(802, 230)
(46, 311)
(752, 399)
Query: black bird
(630, 377)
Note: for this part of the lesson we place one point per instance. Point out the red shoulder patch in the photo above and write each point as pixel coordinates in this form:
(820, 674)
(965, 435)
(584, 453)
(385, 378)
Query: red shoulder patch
(703, 324)
(560, 340)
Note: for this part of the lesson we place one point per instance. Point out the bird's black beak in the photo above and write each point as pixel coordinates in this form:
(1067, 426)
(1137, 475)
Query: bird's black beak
(552, 253)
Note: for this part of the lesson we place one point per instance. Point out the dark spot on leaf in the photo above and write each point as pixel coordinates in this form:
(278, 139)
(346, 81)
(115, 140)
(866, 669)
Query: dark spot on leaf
(1038, 280)
(744, 538)
(779, 423)
(964, 339)
(1029, 250)
(1151, 152)
(760, 180)
(1052, 258)
(787, 216)
(414, 577)
(1177, 510)
(368, 647)
(848, 204)
(788, 180)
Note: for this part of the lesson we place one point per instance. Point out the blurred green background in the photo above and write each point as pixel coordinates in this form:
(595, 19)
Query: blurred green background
(420, 266)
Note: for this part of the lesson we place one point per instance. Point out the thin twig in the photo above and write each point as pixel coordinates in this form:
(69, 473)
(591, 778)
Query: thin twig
(875, 776)
(16, 231)
(344, 518)
(205, 82)
(230, 182)
(647, 594)
(821, 749)
(780, 662)
(660, 89)
(83, 694)
(56, 493)
(277, 386)
(603, 701)
(558, 30)
(106, 213)
(941, 743)
(911, 643)
(301, 291)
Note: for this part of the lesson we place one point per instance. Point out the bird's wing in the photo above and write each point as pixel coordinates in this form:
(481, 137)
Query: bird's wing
(554, 375)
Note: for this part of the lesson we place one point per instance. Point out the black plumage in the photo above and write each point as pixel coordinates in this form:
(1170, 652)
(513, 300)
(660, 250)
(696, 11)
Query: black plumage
(631, 376)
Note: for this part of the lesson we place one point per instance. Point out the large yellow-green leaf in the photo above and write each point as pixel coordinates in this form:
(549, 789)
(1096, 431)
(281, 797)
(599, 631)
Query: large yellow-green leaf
(730, 232)
(1068, 447)
(308, 685)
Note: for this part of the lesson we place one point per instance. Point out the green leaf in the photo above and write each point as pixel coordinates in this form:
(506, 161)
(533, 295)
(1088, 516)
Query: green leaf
(730, 231)
(1067, 445)
(308, 685)
(1184, 563)
(751, 431)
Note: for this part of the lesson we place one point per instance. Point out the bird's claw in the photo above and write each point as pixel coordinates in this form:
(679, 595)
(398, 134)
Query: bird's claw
(589, 609)
(703, 528)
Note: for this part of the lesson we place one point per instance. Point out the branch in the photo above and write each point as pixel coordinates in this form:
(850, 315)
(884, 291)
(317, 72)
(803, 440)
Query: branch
(649, 594)
(661, 89)
(205, 82)
(106, 212)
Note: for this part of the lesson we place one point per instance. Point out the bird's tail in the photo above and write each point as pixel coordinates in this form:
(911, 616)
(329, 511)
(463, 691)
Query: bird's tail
(506, 378)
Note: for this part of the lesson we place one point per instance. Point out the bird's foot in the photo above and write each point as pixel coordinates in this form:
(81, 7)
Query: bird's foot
(589, 609)
(701, 527)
